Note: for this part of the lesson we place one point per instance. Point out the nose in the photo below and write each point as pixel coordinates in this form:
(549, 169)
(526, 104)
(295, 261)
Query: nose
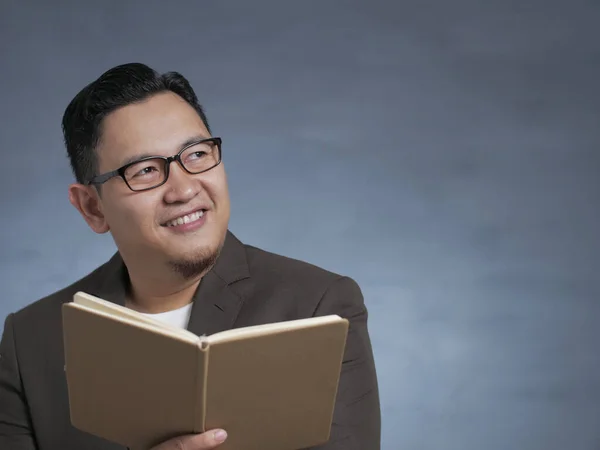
(181, 186)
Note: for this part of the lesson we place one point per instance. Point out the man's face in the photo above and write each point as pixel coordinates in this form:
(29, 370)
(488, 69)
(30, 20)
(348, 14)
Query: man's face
(139, 221)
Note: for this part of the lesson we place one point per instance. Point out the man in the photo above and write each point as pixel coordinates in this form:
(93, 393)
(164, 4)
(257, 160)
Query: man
(149, 171)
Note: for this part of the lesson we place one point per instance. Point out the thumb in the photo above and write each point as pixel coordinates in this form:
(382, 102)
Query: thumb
(205, 441)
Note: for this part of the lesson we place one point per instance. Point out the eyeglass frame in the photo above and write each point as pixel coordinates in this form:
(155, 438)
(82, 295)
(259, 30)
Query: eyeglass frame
(120, 172)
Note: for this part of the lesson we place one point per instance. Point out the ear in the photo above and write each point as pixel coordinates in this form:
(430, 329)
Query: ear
(87, 201)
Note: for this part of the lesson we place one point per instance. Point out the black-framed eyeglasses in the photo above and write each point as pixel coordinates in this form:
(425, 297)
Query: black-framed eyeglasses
(153, 171)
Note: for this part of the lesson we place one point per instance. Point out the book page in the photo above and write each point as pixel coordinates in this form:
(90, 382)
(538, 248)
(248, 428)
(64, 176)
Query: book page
(93, 303)
(259, 330)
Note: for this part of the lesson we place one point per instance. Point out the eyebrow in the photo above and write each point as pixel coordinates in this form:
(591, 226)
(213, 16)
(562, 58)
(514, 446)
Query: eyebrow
(138, 156)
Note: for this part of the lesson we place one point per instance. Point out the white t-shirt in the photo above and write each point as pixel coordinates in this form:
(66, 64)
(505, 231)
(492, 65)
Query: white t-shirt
(178, 317)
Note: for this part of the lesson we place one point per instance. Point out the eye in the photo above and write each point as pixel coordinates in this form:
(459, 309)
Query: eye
(145, 171)
(196, 154)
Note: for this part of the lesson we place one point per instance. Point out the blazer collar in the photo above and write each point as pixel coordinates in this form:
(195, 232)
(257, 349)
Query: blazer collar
(215, 303)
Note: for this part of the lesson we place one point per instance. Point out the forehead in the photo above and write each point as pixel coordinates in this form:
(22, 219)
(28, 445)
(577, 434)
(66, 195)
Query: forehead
(157, 126)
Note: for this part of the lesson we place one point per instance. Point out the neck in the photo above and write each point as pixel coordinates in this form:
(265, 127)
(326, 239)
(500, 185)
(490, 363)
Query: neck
(157, 294)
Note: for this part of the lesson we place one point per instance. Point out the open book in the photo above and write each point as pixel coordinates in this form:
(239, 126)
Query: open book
(137, 381)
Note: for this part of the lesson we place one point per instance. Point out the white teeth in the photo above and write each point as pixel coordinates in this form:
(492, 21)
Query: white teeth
(186, 219)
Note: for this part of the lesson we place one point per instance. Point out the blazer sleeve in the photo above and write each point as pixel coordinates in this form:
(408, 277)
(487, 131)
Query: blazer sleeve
(357, 415)
(15, 425)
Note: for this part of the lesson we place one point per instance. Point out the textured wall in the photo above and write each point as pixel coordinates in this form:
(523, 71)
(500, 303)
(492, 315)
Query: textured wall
(444, 154)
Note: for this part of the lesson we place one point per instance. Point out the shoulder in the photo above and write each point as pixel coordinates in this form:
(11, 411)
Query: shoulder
(300, 281)
(263, 263)
(283, 288)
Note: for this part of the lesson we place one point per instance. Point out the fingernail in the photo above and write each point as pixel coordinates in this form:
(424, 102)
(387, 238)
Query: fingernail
(220, 435)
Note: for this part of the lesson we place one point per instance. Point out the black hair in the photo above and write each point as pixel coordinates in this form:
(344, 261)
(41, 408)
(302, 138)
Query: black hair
(117, 87)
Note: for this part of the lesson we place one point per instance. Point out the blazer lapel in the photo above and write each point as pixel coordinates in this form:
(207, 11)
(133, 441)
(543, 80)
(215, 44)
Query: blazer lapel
(216, 304)
(215, 307)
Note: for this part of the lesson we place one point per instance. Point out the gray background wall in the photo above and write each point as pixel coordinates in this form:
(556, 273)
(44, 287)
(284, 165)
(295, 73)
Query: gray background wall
(444, 154)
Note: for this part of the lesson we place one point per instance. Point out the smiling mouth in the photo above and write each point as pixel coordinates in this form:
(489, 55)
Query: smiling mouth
(188, 218)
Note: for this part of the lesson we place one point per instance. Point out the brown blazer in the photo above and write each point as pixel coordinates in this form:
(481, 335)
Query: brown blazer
(247, 286)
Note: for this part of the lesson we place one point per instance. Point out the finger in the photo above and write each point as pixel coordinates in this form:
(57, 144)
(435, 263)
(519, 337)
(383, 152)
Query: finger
(205, 441)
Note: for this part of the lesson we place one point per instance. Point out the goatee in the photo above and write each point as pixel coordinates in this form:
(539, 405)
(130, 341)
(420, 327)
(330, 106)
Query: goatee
(195, 267)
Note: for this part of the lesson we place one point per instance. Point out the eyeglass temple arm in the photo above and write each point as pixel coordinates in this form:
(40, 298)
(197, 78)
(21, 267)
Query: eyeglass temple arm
(103, 178)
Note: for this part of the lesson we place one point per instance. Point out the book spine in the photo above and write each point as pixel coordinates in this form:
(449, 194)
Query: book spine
(201, 387)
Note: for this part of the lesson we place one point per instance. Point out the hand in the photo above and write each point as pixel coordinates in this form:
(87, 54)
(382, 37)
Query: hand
(205, 441)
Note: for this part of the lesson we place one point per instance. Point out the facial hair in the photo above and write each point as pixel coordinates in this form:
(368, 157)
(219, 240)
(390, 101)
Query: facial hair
(195, 267)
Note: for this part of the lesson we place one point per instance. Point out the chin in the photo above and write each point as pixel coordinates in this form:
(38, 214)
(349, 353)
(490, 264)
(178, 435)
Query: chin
(206, 243)
(196, 263)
